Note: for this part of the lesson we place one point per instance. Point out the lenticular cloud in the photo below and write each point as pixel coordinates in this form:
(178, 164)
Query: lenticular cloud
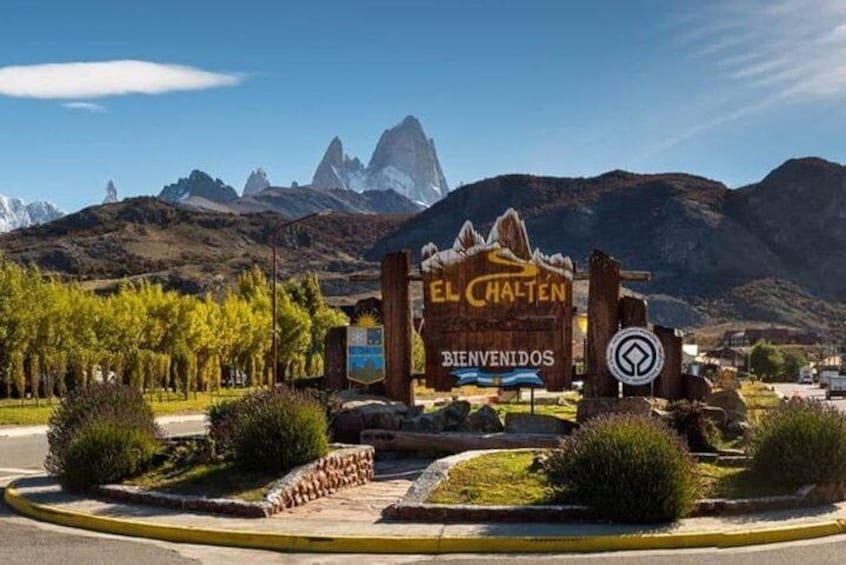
(106, 78)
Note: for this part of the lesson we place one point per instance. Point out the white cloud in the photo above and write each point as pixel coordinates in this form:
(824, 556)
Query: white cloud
(106, 78)
(765, 54)
(85, 106)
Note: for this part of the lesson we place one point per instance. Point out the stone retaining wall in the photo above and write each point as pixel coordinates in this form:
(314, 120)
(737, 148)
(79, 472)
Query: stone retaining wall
(344, 466)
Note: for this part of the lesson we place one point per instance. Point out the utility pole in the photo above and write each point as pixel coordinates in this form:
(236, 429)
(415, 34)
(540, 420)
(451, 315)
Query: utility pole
(273, 337)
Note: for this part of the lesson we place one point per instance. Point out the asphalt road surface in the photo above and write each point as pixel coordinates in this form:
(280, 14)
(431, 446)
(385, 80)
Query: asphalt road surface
(808, 391)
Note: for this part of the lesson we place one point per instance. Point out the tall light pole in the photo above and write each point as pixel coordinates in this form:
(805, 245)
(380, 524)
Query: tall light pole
(273, 336)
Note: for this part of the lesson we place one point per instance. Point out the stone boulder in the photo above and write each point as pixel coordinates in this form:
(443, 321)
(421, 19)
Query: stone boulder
(365, 412)
(730, 400)
(450, 418)
(484, 420)
(525, 423)
(591, 407)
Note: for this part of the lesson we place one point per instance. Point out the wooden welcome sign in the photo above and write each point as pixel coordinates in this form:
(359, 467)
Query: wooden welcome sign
(497, 312)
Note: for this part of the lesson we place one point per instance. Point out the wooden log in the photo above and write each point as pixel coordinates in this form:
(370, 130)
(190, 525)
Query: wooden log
(604, 293)
(373, 277)
(396, 310)
(670, 384)
(633, 314)
(335, 358)
(625, 276)
(385, 440)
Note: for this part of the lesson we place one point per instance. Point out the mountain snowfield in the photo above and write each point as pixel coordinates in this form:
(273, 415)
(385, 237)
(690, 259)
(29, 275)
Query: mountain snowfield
(15, 213)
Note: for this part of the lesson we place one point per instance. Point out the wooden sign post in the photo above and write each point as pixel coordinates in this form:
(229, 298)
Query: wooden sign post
(396, 310)
(497, 312)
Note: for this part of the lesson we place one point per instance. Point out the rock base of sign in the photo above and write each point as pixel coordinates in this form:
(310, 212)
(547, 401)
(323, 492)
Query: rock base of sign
(345, 466)
(454, 442)
(588, 408)
(522, 423)
(414, 506)
(359, 412)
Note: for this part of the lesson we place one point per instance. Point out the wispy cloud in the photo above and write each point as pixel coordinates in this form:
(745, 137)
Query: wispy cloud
(84, 106)
(106, 78)
(766, 53)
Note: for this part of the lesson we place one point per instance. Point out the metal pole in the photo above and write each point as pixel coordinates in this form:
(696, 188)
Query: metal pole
(273, 336)
(273, 314)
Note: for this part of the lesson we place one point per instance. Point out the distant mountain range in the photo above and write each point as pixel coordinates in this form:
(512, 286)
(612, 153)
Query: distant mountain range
(773, 251)
(404, 170)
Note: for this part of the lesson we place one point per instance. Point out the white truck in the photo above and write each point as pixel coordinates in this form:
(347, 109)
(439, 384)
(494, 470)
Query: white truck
(836, 386)
(806, 376)
(826, 375)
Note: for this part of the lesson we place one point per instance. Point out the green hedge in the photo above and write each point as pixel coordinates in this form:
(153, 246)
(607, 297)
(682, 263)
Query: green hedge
(278, 430)
(100, 434)
(800, 443)
(628, 468)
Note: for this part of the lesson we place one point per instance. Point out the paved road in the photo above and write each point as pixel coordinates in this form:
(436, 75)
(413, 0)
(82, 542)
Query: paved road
(21, 454)
(808, 391)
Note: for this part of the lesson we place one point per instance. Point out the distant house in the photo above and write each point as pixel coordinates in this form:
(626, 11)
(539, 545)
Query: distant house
(776, 336)
(724, 357)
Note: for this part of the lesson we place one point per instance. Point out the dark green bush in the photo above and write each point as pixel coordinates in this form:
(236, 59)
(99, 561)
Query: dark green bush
(99, 403)
(626, 467)
(691, 422)
(278, 430)
(221, 416)
(105, 452)
(800, 443)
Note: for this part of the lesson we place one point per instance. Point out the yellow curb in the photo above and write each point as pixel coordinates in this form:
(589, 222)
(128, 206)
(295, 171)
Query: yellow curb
(421, 545)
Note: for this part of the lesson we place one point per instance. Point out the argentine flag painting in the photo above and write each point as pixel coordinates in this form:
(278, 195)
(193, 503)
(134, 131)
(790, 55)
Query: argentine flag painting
(521, 376)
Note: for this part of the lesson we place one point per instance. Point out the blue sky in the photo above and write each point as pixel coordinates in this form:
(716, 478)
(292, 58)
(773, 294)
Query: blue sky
(728, 90)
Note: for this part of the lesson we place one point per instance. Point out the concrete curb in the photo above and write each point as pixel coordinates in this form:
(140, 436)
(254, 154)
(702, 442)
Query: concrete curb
(414, 544)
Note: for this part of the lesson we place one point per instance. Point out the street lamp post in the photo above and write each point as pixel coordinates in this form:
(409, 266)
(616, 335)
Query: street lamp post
(273, 336)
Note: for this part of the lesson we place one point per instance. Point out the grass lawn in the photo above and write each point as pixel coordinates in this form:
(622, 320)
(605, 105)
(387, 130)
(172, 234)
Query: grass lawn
(217, 480)
(509, 478)
(566, 411)
(12, 413)
(499, 478)
(758, 395)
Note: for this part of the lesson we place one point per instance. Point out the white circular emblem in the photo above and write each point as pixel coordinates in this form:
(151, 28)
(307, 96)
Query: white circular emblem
(635, 356)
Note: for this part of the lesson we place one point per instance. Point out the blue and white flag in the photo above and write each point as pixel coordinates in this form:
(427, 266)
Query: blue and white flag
(521, 376)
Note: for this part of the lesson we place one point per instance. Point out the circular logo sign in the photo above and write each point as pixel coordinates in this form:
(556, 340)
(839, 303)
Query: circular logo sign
(635, 356)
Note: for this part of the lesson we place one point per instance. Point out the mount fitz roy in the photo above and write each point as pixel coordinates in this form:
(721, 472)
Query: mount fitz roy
(15, 213)
(404, 160)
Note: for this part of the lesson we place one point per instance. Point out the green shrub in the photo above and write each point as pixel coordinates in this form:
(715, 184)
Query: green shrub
(106, 452)
(626, 467)
(278, 430)
(115, 404)
(799, 443)
(221, 416)
(691, 422)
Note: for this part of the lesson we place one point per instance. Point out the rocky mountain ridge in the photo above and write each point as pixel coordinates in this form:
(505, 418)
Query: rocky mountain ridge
(773, 251)
(404, 160)
(198, 184)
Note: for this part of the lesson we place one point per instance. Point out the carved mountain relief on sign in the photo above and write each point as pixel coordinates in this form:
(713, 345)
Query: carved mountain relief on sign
(495, 305)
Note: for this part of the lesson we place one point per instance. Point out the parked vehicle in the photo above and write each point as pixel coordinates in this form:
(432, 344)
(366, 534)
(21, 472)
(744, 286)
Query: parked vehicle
(806, 376)
(826, 375)
(836, 386)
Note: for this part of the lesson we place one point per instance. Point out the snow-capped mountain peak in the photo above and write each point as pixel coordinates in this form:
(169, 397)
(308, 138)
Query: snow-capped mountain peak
(404, 160)
(15, 213)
